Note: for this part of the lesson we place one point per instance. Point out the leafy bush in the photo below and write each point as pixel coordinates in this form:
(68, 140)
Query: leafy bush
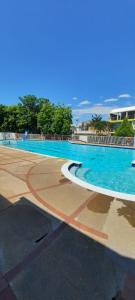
(125, 129)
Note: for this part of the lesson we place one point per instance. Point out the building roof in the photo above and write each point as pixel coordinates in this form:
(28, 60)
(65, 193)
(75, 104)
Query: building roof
(122, 109)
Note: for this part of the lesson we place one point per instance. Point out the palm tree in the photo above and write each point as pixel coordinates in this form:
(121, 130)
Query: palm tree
(96, 118)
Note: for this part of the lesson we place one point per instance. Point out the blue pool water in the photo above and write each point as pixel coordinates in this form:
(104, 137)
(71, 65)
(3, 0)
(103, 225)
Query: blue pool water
(106, 167)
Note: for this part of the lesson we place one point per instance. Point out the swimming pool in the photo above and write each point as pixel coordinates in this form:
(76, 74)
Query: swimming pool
(106, 167)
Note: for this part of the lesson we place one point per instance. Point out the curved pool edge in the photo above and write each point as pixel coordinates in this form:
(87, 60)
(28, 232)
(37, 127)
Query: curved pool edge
(66, 172)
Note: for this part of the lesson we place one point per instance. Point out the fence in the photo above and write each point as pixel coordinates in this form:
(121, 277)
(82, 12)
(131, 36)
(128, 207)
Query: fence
(105, 140)
(7, 135)
(58, 137)
(32, 136)
(92, 139)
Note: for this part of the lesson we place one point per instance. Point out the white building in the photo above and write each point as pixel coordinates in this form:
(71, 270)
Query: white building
(119, 114)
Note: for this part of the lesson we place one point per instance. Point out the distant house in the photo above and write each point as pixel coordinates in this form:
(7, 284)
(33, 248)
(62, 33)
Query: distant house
(119, 114)
(83, 129)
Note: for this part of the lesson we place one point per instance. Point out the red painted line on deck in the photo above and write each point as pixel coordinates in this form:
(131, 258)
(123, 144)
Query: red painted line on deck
(55, 211)
(83, 205)
(68, 219)
(12, 162)
(46, 204)
(42, 173)
(9, 172)
(88, 229)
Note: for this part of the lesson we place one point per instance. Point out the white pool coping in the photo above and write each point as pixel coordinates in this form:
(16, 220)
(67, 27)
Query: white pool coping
(66, 172)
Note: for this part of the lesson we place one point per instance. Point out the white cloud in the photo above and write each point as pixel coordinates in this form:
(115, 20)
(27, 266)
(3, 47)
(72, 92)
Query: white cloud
(84, 102)
(111, 100)
(69, 104)
(125, 96)
(99, 104)
(74, 98)
(92, 110)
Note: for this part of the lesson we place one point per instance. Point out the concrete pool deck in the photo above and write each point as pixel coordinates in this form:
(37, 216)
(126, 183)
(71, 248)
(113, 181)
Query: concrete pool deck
(45, 220)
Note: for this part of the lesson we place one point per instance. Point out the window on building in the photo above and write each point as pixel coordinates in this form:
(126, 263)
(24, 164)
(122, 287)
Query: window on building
(131, 114)
(113, 117)
(123, 115)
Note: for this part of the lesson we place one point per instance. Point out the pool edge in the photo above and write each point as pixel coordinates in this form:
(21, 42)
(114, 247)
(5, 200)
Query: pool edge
(66, 172)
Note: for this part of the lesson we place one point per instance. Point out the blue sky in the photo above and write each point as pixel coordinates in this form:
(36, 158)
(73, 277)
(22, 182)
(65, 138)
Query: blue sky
(77, 52)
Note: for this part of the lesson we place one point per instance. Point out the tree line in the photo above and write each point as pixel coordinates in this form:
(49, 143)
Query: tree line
(36, 115)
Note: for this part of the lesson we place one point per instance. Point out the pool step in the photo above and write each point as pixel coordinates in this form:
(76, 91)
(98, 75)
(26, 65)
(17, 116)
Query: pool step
(133, 163)
(81, 172)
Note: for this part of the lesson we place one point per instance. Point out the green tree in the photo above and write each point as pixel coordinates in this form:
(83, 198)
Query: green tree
(125, 129)
(41, 102)
(62, 120)
(96, 122)
(103, 126)
(28, 109)
(2, 115)
(10, 118)
(96, 118)
(29, 102)
(100, 126)
(21, 121)
(35, 115)
(45, 117)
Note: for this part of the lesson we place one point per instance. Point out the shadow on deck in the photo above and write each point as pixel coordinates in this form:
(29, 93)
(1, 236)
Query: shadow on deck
(42, 257)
